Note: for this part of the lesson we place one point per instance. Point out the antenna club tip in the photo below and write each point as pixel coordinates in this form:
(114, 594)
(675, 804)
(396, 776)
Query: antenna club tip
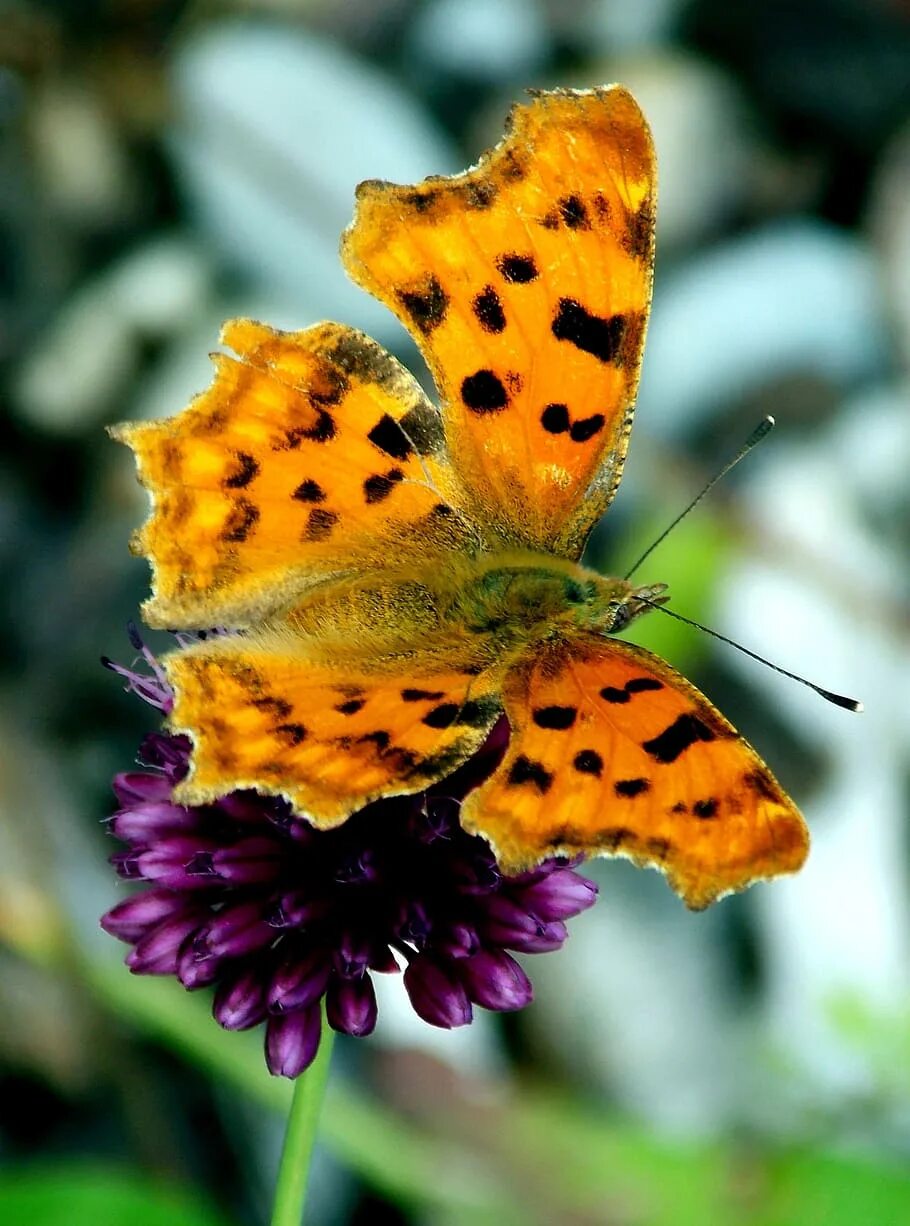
(841, 700)
(770, 420)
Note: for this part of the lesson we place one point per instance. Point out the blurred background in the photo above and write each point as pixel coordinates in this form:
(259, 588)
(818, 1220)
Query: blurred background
(167, 165)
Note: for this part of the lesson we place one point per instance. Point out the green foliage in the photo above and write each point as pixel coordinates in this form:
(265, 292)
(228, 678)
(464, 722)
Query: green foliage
(691, 561)
(95, 1196)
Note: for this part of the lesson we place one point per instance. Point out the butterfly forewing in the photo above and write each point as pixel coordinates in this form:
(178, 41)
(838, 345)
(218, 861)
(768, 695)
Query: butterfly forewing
(312, 453)
(526, 281)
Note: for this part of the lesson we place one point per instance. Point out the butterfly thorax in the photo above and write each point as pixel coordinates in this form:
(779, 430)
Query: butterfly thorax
(517, 597)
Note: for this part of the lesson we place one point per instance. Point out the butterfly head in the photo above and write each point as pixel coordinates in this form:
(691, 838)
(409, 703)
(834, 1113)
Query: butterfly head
(625, 603)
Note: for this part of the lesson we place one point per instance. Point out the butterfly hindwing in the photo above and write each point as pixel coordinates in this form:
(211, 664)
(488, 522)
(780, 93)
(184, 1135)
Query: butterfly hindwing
(614, 753)
(312, 452)
(328, 736)
(527, 281)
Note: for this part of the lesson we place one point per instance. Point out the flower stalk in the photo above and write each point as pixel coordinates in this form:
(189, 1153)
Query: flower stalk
(300, 1135)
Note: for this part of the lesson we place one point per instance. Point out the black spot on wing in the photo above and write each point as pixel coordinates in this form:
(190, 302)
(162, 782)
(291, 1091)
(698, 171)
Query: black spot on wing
(612, 837)
(443, 716)
(475, 713)
(246, 470)
(425, 304)
(319, 524)
(411, 695)
(322, 431)
(389, 437)
(602, 207)
(761, 783)
(379, 738)
(566, 835)
(638, 685)
(610, 693)
(659, 848)
(705, 808)
(555, 418)
(591, 333)
(525, 770)
(488, 311)
(637, 238)
(574, 214)
(675, 739)
(293, 734)
(588, 762)
(630, 787)
(241, 522)
(309, 491)
(585, 429)
(483, 392)
(351, 706)
(329, 385)
(378, 487)
(480, 194)
(517, 269)
(514, 167)
(421, 201)
(557, 718)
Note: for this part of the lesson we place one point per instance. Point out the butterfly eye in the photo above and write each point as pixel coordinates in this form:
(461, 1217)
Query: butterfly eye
(620, 616)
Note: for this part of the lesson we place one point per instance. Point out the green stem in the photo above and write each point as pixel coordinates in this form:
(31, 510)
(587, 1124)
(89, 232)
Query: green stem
(300, 1136)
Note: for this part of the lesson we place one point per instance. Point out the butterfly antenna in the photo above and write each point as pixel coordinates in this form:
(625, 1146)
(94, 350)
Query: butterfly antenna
(839, 700)
(762, 430)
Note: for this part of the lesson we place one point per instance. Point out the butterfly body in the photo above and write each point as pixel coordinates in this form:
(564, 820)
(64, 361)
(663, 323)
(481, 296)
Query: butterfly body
(402, 576)
(517, 598)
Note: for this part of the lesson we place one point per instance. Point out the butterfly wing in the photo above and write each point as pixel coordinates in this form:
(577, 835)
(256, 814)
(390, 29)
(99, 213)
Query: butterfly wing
(311, 452)
(614, 753)
(526, 282)
(330, 736)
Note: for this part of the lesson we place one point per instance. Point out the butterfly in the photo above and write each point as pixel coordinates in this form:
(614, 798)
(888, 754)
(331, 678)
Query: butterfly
(399, 576)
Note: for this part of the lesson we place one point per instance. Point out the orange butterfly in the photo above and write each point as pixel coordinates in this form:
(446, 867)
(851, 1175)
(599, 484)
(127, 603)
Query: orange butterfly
(401, 576)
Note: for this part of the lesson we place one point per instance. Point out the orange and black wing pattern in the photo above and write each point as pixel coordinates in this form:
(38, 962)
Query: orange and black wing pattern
(313, 453)
(614, 753)
(526, 281)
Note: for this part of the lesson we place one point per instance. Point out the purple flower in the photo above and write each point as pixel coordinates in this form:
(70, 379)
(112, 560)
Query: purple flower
(244, 896)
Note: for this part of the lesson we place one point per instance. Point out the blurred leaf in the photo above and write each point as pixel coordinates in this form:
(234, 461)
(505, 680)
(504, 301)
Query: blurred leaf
(623, 1173)
(632, 1175)
(814, 1189)
(691, 561)
(87, 1196)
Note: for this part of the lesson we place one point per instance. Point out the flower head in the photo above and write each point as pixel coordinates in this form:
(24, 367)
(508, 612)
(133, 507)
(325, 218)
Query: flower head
(247, 897)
